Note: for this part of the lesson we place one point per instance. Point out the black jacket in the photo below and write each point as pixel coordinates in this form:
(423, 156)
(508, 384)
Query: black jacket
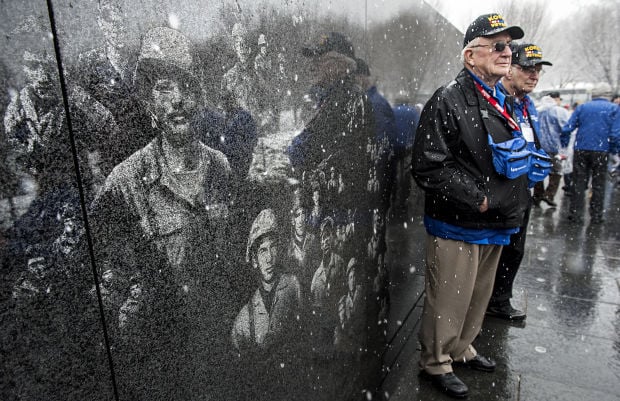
(337, 137)
(453, 164)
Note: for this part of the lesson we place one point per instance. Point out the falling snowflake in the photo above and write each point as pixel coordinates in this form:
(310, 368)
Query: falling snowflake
(540, 349)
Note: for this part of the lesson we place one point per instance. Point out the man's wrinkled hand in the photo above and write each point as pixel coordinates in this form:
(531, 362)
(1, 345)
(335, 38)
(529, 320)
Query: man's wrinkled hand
(484, 206)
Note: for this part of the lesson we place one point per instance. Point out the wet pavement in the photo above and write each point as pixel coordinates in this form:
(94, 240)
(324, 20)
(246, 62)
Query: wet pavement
(569, 284)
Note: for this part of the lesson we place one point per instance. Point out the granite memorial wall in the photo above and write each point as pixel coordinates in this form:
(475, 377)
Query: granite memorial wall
(193, 204)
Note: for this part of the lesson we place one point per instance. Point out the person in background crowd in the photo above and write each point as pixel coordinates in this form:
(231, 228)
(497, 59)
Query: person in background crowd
(352, 312)
(598, 135)
(407, 118)
(328, 285)
(36, 132)
(262, 61)
(616, 99)
(526, 69)
(160, 221)
(552, 117)
(241, 79)
(303, 247)
(471, 209)
(34, 117)
(267, 87)
(44, 265)
(107, 119)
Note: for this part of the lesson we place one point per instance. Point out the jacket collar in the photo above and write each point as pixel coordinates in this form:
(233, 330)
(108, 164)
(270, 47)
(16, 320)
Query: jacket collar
(282, 284)
(158, 169)
(466, 81)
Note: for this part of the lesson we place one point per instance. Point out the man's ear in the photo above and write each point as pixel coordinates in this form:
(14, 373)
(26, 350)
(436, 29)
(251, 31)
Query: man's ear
(468, 57)
(508, 75)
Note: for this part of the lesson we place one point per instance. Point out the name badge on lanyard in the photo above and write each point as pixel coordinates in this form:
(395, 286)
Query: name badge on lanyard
(527, 131)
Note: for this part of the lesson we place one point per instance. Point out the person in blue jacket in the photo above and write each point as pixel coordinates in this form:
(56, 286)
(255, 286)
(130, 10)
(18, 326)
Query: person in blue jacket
(598, 135)
(522, 78)
(552, 118)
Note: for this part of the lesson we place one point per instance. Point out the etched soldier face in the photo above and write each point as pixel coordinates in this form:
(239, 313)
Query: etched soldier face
(316, 198)
(327, 240)
(351, 279)
(266, 258)
(299, 221)
(173, 103)
(36, 265)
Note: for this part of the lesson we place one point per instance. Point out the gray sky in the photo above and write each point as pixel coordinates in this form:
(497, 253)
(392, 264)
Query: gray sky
(459, 12)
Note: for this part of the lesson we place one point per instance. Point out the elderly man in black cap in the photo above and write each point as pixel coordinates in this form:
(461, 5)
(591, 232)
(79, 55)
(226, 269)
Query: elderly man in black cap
(522, 78)
(471, 206)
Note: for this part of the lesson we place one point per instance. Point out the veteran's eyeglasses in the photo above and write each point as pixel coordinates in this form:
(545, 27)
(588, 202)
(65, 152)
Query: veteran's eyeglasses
(497, 46)
(531, 70)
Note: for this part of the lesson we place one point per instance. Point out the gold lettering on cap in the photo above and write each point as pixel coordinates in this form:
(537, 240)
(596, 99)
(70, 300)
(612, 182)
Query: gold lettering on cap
(496, 21)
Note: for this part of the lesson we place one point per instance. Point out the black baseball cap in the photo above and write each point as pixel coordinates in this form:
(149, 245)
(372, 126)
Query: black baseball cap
(333, 41)
(489, 25)
(554, 95)
(527, 55)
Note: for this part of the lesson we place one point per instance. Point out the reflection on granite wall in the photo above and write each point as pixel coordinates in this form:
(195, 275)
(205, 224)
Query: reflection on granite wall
(206, 219)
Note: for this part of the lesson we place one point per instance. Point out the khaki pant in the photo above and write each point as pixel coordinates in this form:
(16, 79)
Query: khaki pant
(459, 281)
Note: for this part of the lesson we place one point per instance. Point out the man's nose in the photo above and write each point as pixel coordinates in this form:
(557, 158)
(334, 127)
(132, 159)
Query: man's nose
(177, 96)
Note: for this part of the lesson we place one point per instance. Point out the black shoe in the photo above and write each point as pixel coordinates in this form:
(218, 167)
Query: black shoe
(550, 202)
(478, 362)
(505, 311)
(449, 383)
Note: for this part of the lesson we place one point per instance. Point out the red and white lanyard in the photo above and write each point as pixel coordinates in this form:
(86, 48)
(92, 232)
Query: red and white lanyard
(513, 124)
(525, 113)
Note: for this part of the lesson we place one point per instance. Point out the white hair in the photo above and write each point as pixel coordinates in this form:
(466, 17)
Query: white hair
(474, 42)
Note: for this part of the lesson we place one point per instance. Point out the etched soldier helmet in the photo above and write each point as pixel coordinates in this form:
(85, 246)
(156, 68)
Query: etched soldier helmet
(163, 50)
(264, 223)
